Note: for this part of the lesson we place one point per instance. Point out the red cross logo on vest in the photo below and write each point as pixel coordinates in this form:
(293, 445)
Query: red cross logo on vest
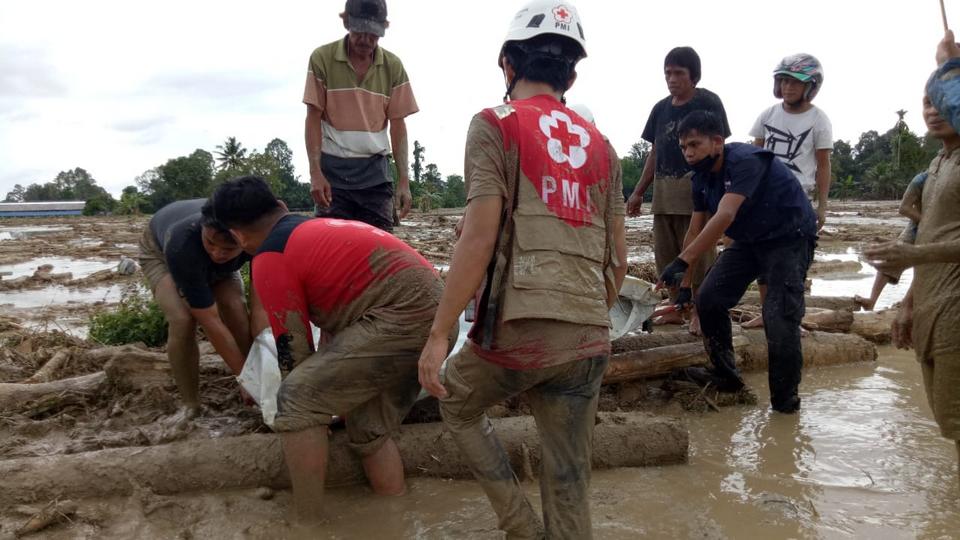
(566, 141)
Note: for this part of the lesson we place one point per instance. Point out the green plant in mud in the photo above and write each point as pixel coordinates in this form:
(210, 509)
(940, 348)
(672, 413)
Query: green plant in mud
(136, 319)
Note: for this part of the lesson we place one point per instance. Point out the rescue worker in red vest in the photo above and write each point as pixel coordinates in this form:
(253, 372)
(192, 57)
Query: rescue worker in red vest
(543, 237)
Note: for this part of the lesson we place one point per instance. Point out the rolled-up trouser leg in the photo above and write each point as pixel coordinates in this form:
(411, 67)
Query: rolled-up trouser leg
(473, 385)
(722, 288)
(786, 268)
(565, 409)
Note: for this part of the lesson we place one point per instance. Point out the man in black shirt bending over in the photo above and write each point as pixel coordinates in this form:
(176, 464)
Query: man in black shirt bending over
(192, 266)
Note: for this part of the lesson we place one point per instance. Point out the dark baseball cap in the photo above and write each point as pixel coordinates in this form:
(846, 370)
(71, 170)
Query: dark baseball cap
(366, 16)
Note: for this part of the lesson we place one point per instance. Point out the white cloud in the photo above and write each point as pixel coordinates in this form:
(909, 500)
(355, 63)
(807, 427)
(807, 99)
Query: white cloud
(120, 87)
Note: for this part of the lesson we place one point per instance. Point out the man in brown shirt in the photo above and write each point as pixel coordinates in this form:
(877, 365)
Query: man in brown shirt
(543, 237)
(930, 313)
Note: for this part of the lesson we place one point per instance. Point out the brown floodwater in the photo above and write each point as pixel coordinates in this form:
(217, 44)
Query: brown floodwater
(863, 459)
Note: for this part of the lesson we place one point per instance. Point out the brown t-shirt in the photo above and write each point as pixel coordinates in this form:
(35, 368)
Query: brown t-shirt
(532, 343)
(936, 287)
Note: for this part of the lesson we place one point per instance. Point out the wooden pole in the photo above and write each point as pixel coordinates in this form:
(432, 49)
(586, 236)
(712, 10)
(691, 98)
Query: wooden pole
(943, 15)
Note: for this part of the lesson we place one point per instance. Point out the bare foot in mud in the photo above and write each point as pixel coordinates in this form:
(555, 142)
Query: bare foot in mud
(694, 328)
(182, 420)
(669, 318)
(865, 304)
(756, 322)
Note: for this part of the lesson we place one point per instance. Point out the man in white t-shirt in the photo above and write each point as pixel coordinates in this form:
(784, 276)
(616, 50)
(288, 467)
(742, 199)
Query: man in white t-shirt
(798, 133)
(796, 130)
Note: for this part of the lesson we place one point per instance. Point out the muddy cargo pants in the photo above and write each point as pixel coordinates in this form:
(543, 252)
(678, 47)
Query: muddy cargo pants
(564, 403)
(784, 264)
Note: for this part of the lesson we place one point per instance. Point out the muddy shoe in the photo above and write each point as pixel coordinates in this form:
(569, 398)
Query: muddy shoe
(704, 376)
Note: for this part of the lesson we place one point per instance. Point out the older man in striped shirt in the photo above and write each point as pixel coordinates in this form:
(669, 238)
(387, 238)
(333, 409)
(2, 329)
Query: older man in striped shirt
(355, 93)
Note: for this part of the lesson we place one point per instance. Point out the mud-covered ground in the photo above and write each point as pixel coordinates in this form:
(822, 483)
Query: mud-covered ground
(44, 314)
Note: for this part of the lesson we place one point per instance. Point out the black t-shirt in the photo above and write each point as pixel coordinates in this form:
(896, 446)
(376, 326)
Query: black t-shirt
(177, 230)
(661, 129)
(776, 207)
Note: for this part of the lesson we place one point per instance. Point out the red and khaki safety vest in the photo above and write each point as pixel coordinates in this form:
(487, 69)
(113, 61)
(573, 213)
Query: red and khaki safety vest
(554, 248)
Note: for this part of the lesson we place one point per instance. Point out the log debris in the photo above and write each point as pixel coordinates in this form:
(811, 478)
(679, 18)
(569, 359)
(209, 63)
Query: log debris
(250, 461)
(659, 361)
(42, 397)
(48, 372)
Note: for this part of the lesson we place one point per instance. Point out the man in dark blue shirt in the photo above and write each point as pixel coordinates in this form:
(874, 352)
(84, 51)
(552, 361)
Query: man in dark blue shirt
(755, 200)
(192, 265)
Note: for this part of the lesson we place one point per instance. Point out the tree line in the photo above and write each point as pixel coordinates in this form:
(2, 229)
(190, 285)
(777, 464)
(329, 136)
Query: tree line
(185, 177)
(878, 166)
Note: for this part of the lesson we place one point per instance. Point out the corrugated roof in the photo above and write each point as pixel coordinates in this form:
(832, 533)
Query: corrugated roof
(42, 206)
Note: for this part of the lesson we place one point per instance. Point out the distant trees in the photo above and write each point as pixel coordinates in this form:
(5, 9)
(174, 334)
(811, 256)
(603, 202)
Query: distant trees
(231, 154)
(184, 177)
(72, 185)
(631, 166)
(428, 186)
(880, 166)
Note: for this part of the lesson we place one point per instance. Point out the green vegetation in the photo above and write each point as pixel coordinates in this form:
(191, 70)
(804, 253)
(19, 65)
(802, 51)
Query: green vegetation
(878, 166)
(137, 318)
(428, 187)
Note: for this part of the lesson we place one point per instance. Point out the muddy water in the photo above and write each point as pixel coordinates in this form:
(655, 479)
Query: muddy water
(860, 283)
(862, 460)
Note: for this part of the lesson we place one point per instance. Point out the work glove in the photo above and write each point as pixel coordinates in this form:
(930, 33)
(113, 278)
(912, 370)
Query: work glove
(673, 273)
(684, 298)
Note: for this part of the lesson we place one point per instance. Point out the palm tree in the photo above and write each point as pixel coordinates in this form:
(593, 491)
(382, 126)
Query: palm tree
(231, 154)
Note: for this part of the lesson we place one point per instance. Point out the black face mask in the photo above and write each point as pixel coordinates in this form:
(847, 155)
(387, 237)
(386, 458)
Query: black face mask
(705, 164)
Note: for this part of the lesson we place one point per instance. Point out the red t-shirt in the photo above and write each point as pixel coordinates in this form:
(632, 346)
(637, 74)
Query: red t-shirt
(332, 272)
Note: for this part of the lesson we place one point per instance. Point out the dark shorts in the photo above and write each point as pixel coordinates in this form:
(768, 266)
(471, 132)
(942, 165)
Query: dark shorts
(372, 205)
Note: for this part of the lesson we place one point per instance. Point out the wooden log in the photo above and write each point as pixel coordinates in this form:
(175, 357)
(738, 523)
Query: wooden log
(620, 440)
(827, 320)
(54, 512)
(49, 370)
(658, 338)
(874, 325)
(834, 267)
(819, 349)
(128, 366)
(658, 361)
(15, 397)
(826, 302)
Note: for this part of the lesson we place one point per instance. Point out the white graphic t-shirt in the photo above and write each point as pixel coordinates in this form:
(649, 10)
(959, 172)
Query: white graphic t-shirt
(795, 138)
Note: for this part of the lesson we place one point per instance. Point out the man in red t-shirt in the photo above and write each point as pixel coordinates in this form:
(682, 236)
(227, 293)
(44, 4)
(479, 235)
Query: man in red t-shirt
(376, 295)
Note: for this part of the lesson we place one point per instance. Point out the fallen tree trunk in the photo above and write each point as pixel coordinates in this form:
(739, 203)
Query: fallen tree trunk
(128, 366)
(827, 320)
(845, 303)
(823, 268)
(658, 338)
(17, 397)
(658, 361)
(819, 349)
(620, 440)
(874, 325)
(49, 370)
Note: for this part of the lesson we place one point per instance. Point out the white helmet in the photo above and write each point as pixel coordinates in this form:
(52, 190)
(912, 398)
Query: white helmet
(547, 17)
(584, 112)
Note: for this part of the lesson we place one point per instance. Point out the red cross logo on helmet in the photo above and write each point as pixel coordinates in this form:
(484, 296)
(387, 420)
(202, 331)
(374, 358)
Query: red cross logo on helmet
(561, 14)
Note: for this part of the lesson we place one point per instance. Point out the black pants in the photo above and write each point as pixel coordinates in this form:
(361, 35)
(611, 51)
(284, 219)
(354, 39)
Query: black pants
(784, 266)
(372, 205)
